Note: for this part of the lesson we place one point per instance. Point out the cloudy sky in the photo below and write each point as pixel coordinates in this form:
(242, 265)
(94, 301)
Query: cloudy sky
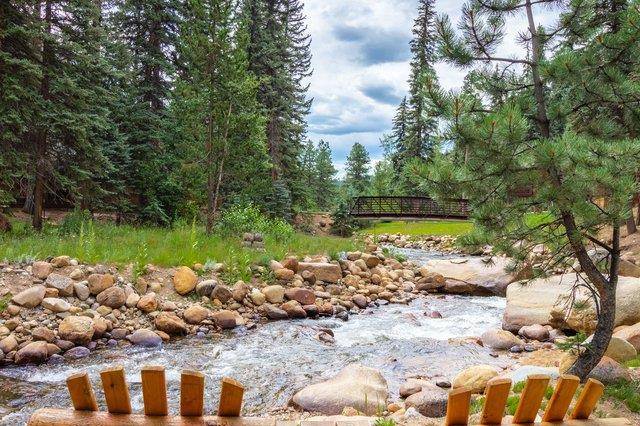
(361, 64)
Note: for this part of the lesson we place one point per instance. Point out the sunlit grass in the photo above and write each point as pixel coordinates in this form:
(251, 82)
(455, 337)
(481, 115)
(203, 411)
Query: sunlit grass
(425, 227)
(181, 245)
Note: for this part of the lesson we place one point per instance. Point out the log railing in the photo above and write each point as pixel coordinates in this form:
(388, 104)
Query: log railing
(156, 412)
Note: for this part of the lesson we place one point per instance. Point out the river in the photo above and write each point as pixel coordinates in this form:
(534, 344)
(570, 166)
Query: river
(278, 358)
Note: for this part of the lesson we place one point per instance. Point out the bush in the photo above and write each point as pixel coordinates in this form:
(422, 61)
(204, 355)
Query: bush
(343, 224)
(239, 219)
(74, 222)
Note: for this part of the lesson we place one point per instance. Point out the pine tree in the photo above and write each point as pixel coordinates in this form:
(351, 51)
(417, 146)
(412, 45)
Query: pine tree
(308, 173)
(523, 129)
(357, 170)
(383, 181)
(395, 143)
(216, 108)
(325, 172)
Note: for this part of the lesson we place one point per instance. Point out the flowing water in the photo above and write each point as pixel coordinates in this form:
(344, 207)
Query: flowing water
(277, 358)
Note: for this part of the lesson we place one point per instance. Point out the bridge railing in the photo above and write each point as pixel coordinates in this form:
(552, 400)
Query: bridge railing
(399, 206)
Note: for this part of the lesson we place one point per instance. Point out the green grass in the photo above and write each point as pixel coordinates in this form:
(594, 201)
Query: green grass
(425, 227)
(633, 363)
(625, 392)
(181, 245)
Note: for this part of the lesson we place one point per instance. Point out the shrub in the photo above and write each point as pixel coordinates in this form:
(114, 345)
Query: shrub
(74, 222)
(238, 219)
(343, 224)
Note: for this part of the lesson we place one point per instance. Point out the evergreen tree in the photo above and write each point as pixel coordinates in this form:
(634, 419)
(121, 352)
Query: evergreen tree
(524, 130)
(325, 172)
(357, 170)
(308, 173)
(395, 143)
(216, 108)
(383, 181)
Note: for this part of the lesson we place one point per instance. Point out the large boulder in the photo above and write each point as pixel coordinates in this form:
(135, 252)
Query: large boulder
(431, 401)
(31, 297)
(100, 282)
(631, 334)
(356, 386)
(549, 302)
(619, 349)
(33, 353)
(63, 284)
(327, 272)
(170, 323)
(534, 332)
(475, 378)
(41, 270)
(609, 371)
(113, 297)
(500, 339)
(76, 329)
(628, 269)
(184, 280)
(472, 276)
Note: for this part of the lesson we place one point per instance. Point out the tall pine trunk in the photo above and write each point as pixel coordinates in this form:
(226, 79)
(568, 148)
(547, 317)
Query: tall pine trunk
(606, 289)
(41, 135)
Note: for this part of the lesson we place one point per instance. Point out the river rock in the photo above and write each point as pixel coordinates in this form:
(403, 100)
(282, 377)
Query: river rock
(309, 277)
(77, 352)
(184, 280)
(545, 301)
(100, 282)
(32, 353)
(274, 293)
(291, 263)
(362, 388)
(619, 349)
(132, 300)
(145, 337)
(31, 297)
(302, 295)
(431, 401)
(609, 371)
(360, 300)
(327, 272)
(61, 261)
(195, 314)
(475, 378)
(148, 303)
(81, 291)
(222, 293)
(205, 287)
(411, 386)
(41, 270)
(56, 305)
(100, 326)
(170, 323)
(257, 297)
(113, 297)
(500, 339)
(63, 284)
(240, 291)
(474, 276)
(224, 319)
(294, 309)
(284, 274)
(76, 329)
(273, 312)
(534, 332)
(43, 333)
(631, 334)
(8, 344)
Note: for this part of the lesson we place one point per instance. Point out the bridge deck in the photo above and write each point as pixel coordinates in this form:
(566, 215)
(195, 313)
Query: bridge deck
(408, 207)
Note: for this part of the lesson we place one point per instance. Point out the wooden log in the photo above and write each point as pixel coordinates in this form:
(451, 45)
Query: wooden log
(116, 392)
(496, 395)
(231, 395)
(458, 407)
(191, 393)
(81, 392)
(67, 417)
(561, 399)
(587, 400)
(531, 398)
(154, 391)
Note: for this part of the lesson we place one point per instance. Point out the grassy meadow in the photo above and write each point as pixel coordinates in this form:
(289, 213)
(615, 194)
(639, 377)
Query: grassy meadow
(423, 227)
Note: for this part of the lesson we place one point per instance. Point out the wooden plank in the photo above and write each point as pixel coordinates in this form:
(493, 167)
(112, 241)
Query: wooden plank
(66, 417)
(116, 392)
(587, 400)
(561, 399)
(154, 391)
(496, 395)
(531, 398)
(458, 407)
(231, 395)
(81, 392)
(191, 393)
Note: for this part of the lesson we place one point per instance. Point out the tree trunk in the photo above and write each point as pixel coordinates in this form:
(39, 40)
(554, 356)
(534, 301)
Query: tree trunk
(606, 319)
(223, 157)
(631, 221)
(41, 135)
(210, 176)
